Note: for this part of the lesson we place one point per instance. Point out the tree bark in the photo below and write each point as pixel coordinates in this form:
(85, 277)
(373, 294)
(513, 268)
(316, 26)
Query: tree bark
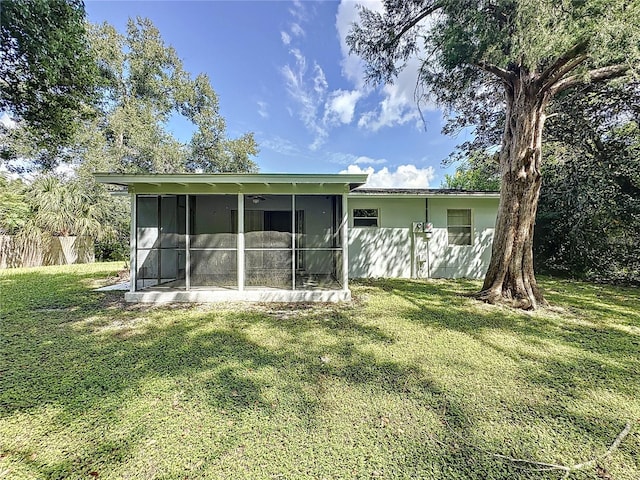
(510, 277)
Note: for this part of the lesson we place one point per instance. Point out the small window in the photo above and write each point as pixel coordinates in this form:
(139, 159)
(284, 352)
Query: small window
(459, 227)
(365, 217)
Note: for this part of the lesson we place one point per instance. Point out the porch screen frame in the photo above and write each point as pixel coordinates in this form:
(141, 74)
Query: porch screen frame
(341, 214)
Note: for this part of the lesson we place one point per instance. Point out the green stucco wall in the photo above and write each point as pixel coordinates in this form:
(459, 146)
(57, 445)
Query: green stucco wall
(392, 250)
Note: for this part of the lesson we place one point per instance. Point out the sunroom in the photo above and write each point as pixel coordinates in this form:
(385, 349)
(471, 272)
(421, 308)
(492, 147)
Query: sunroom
(258, 237)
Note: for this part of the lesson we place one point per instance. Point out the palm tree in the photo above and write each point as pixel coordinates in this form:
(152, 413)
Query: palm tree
(66, 208)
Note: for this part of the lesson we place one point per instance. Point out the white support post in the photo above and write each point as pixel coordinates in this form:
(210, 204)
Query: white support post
(240, 252)
(293, 242)
(187, 240)
(345, 243)
(133, 247)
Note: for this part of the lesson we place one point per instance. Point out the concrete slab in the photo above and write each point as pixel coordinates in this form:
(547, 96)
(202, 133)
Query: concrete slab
(118, 287)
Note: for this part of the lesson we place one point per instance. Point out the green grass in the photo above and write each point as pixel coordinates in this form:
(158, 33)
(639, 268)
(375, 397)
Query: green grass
(414, 379)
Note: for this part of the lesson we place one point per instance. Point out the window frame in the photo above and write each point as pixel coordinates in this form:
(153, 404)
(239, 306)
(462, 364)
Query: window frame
(469, 226)
(354, 218)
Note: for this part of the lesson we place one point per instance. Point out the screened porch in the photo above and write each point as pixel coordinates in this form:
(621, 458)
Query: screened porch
(238, 242)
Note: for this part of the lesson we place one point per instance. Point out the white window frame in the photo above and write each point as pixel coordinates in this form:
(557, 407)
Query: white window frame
(470, 227)
(354, 218)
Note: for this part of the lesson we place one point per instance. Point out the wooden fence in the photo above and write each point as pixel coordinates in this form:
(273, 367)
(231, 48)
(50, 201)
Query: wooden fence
(16, 252)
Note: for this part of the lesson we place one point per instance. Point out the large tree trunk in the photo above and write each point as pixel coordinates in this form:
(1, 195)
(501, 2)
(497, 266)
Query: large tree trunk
(510, 277)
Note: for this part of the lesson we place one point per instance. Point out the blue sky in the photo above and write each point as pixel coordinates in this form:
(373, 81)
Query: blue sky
(282, 70)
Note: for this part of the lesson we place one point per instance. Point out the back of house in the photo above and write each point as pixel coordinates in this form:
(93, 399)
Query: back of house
(295, 237)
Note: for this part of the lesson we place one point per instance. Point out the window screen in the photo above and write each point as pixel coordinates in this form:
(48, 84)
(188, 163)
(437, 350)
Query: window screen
(365, 217)
(459, 227)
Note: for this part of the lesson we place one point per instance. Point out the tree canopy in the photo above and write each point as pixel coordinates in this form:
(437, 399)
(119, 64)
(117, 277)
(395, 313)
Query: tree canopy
(461, 41)
(141, 87)
(48, 76)
(146, 86)
(115, 117)
(588, 222)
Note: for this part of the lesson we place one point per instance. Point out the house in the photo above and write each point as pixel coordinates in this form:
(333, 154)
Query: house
(295, 237)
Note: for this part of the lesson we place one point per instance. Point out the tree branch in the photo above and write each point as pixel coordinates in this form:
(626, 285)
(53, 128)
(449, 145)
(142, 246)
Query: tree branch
(563, 71)
(597, 75)
(567, 469)
(414, 21)
(552, 71)
(503, 74)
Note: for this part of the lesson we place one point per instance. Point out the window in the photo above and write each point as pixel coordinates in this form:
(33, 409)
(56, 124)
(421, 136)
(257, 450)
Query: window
(459, 227)
(365, 217)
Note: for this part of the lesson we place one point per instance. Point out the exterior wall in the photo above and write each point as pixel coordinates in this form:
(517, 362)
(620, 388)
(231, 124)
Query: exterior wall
(386, 250)
(440, 260)
(392, 250)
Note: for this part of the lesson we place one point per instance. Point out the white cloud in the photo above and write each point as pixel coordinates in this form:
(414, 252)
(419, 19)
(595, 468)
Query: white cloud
(405, 176)
(281, 145)
(321, 108)
(320, 84)
(341, 158)
(298, 10)
(341, 105)
(7, 122)
(308, 91)
(262, 109)
(352, 65)
(398, 103)
(362, 160)
(297, 30)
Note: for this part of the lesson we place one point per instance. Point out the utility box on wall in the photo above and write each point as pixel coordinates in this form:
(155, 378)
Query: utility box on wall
(428, 229)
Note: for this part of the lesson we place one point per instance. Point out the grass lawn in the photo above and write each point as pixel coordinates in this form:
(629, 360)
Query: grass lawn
(413, 379)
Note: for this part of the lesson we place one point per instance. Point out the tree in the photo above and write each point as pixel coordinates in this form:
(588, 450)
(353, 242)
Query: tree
(64, 208)
(14, 208)
(528, 50)
(588, 221)
(477, 173)
(48, 77)
(146, 86)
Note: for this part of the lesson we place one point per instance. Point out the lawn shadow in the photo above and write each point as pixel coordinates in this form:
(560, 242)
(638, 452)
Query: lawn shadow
(569, 354)
(74, 355)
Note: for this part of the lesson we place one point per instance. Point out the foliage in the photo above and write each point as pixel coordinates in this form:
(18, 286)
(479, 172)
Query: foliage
(116, 213)
(430, 389)
(55, 206)
(463, 43)
(589, 216)
(61, 207)
(147, 86)
(476, 174)
(14, 208)
(142, 87)
(47, 75)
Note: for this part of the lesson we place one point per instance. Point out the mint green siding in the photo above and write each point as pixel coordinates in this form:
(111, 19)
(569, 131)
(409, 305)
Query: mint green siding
(393, 250)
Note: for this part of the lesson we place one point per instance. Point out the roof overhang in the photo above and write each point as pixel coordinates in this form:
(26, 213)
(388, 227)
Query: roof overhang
(420, 193)
(233, 182)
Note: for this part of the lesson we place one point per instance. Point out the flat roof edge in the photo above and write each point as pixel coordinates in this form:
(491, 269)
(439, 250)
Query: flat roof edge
(422, 193)
(199, 178)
